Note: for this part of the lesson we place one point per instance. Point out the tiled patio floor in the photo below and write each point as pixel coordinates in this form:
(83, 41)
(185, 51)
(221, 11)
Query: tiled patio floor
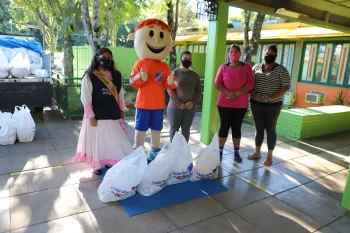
(43, 190)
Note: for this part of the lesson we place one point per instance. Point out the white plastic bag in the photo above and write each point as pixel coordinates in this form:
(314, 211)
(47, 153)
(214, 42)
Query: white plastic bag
(4, 65)
(183, 164)
(157, 172)
(20, 65)
(121, 180)
(36, 64)
(25, 124)
(41, 73)
(7, 129)
(207, 162)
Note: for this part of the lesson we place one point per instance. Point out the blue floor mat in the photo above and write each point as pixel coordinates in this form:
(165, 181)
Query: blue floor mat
(170, 195)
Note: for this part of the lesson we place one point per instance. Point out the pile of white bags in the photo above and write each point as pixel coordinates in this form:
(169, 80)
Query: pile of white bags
(18, 57)
(121, 180)
(157, 172)
(4, 65)
(7, 129)
(20, 65)
(25, 124)
(36, 62)
(173, 165)
(207, 162)
(183, 164)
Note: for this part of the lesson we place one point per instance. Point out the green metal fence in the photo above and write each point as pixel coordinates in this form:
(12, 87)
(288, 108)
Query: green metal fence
(66, 95)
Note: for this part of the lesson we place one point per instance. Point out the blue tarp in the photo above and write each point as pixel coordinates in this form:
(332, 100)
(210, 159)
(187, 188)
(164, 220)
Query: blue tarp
(11, 42)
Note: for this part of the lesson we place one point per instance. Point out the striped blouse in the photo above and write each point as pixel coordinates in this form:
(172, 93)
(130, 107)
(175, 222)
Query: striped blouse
(269, 83)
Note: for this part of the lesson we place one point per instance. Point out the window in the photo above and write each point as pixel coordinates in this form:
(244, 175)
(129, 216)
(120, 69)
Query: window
(201, 49)
(285, 56)
(190, 48)
(319, 62)
(326, 63)
(290, 58)
(306, 62)
(335, 63)
(263, 52)
(195, 48)
(279, 53)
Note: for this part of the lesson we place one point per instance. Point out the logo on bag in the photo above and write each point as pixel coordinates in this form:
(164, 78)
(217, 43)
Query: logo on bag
(159, 76)
(161, 183)
(119, 193)
(184, 174)
(207, 176)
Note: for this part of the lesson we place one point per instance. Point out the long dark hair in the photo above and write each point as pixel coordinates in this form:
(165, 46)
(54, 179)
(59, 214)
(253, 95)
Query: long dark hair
(94, 63)
(116, 75)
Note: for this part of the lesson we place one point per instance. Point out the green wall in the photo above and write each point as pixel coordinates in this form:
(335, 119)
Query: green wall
(125, 59)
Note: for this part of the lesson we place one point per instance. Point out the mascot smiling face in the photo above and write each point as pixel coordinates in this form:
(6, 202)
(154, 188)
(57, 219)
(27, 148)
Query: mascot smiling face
(152, 39)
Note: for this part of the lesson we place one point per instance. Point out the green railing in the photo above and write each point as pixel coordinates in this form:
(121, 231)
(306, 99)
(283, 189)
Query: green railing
(66, 95)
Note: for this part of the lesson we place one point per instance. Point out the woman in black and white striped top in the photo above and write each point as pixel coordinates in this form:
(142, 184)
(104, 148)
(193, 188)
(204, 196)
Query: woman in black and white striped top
(272, 82)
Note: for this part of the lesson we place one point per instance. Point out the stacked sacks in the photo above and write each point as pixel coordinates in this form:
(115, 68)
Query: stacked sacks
(4, 65)
(20, 65)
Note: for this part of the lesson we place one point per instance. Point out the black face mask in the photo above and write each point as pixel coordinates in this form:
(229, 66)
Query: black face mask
(105, 63)
(186, 63)
(269, 59)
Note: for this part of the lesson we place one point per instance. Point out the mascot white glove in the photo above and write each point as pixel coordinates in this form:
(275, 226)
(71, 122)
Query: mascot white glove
(144, 75)
(171, 78)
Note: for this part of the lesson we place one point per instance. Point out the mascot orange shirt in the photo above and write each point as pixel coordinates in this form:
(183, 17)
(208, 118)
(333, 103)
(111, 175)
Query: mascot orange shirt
(153, 43)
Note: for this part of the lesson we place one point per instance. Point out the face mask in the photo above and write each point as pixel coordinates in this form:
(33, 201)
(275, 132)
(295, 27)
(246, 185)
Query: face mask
(186, 63)
(234, 57)
(269, 59)
(105, 63)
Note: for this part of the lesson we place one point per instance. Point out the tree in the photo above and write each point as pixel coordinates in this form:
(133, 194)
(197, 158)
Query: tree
(173, 22)
(158, 9)
(107, 15)
(168, 11)
(57, 18)
(92, 27)
(5, 17)
(251, 46)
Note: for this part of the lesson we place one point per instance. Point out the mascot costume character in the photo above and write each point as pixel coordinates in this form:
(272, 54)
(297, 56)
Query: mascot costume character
(153, 43)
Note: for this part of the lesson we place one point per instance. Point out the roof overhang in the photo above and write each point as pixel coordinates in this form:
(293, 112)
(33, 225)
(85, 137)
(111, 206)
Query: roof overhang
(331, 14)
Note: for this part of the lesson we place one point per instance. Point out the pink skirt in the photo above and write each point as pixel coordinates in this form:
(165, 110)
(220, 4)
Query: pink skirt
(105, 144)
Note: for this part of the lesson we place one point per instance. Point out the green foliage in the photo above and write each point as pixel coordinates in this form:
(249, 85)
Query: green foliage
(341, 99)
(57, 17)
(158, 9)
(5, 17)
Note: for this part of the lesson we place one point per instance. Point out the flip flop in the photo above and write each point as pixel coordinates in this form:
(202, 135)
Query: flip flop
(250, 157)
(268, 163)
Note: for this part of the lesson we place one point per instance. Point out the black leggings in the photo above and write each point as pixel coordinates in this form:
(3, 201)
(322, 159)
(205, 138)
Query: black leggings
(265, 118)
(231, 118)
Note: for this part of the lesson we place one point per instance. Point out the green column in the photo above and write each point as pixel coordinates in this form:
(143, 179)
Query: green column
(346, 196)
(214, 58)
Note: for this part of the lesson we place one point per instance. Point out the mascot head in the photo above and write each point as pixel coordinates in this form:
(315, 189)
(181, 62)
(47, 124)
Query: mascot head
(152, 39)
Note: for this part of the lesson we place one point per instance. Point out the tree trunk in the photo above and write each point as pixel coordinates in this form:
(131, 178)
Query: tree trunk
(96, 26)
(108, 29)
(257, 32)
(92, 30)
(87, 23)
(173, 24)
(68, 56)
(246, 46)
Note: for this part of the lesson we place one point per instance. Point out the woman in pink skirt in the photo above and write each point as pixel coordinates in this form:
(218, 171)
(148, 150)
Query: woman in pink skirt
(102, 140)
